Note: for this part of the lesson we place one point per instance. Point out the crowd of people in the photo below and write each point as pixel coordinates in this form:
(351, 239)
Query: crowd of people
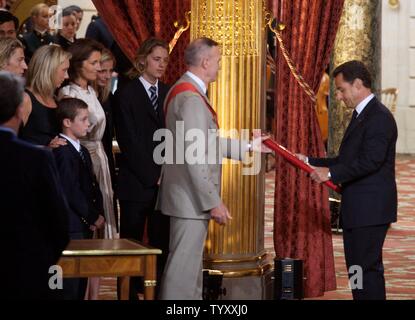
(59, 117)
(68, 107)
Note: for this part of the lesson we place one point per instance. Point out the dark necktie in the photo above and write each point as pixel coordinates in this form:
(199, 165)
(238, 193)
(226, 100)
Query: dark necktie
(355, 114)
(83, 156)
(354, 117)
(154, 97)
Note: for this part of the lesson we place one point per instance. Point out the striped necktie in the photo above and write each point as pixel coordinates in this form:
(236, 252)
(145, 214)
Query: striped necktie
(154, 97)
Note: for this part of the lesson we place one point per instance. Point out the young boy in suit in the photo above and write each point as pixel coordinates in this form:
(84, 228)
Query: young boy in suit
(78, 182)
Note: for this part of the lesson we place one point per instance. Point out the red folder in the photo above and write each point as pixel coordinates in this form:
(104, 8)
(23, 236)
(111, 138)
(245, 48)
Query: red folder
(292, 159)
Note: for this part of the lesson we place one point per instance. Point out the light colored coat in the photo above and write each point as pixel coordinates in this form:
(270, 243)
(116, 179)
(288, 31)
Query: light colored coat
(191, 190)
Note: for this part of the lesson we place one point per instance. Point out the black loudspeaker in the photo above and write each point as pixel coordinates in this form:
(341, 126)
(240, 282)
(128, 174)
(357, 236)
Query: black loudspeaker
(212, 285)
(288, 276)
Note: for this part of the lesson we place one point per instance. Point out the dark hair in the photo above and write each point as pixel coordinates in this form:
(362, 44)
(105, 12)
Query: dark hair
(11, 95)
(192, 54)
(81, 50)
(353, 70)
(68, 109)
(67, 12)
(73, 8)
(6, 16)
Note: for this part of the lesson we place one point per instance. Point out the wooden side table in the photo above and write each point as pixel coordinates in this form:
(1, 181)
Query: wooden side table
(112, 258)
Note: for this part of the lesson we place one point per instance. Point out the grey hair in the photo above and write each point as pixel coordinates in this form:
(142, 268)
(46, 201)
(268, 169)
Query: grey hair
(193, 54)
(11, 95)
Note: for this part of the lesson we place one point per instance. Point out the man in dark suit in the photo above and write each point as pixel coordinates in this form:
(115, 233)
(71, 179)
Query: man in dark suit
(138, 115)
(98, 30)
(78, 181)
(33, 207)
(365, 168)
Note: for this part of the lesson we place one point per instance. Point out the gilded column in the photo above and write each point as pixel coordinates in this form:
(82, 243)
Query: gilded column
(358, 38)
(239, 99)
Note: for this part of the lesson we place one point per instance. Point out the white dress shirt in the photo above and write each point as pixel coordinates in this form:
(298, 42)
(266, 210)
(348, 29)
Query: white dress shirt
(362, 105)
(199, 81)
(147, 85)
(75, 143)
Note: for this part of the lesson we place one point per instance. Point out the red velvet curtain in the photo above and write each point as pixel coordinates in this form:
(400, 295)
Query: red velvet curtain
(302, 228)
(133, 21)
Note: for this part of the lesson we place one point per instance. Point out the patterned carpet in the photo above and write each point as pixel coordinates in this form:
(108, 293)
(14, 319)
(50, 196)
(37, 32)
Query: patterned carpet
(399, 248)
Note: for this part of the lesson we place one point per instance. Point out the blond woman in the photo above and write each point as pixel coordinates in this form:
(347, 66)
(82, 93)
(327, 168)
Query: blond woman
(47, 71)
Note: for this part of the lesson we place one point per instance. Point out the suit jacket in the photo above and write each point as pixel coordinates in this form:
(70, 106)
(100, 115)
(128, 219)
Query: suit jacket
(98, 30)
(62, 41)
(192, 190)
(135, 124)
(33, 41)
(34, 214)
(365, 168)
(80, 186)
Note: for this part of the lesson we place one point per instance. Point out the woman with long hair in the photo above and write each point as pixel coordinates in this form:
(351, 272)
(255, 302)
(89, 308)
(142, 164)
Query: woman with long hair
(46, 73)
(103, 87)
(83, 72)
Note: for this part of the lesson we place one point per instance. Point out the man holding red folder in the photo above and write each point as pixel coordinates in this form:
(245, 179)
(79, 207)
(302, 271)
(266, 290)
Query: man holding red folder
(365, 168)
(190, 191)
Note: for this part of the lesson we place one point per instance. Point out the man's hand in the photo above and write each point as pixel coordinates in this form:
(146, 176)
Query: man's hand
(220, 214)
(302, 157)
(320, 175)
(257, 143)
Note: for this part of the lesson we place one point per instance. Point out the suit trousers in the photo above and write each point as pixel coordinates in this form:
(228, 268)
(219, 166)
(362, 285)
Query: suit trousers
(363, 248)
(132, 224)
(183, 276)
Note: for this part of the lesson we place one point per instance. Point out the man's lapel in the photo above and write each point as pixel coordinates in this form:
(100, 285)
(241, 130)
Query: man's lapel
(360, 120)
